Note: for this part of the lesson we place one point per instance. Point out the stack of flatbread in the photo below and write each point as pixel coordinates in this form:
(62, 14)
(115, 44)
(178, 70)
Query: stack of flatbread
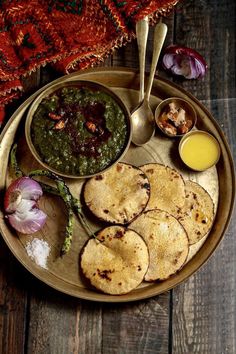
(156, 216)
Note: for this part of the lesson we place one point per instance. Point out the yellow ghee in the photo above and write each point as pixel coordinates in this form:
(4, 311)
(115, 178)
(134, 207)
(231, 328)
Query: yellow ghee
(199, 150)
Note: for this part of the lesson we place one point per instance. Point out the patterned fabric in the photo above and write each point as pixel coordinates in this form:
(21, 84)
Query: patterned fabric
(71, 35)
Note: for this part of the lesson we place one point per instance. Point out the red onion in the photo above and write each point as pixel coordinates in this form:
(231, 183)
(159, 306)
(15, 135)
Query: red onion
(20, 203)
(184, 61)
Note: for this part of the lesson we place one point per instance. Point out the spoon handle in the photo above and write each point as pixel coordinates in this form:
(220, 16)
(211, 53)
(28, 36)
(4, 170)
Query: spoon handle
(159, 38)
(142, 28)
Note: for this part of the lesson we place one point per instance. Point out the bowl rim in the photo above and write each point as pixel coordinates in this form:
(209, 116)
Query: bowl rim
(162, 104)
(193, 132)
(54, 87)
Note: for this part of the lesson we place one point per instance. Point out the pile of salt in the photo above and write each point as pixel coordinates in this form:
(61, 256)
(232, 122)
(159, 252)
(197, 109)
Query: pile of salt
(38, 250)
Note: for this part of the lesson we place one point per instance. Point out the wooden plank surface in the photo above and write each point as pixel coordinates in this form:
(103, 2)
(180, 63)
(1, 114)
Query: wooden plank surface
(61, 324)
(13, 303)
(140, 327)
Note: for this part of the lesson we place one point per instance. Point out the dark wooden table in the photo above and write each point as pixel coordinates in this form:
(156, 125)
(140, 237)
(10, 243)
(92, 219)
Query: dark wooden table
(198, 316)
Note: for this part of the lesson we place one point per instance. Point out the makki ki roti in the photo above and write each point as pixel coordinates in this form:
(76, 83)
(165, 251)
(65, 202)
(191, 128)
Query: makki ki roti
(186, 216)
(197, 214)
(116, 261)
(167, 243)
(118, 195)
(167, 190)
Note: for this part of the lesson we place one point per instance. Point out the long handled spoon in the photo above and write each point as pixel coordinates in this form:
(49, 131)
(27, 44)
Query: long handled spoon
(142, 117)
(142, 28)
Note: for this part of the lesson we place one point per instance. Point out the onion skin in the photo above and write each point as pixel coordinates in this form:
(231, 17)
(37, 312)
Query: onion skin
(184, 61)
(26, 187)
(20, 204)
(29, 222)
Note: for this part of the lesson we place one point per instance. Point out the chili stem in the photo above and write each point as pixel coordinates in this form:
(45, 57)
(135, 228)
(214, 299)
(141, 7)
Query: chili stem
(14, 163)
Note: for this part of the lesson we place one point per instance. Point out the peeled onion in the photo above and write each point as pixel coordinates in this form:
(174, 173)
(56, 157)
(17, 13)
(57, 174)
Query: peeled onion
(20, 204)
(184, 61)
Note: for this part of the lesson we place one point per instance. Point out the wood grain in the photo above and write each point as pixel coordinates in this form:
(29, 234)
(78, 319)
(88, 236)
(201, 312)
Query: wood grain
(137, 328)
(74, 326)
(60, 324)
(13, 302)
(209, 27)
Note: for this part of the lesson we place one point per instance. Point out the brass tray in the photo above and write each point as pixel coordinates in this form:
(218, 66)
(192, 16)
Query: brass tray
(63, 273)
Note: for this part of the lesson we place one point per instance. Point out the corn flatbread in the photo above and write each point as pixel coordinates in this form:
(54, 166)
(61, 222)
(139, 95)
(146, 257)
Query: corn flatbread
(118, 195)
(117, 263)
(167, 188)
(198, 212)
(167, 243)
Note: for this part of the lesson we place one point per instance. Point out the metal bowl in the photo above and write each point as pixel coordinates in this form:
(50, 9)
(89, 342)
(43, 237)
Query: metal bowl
(83, 83)
(190, 114)
(201, 152)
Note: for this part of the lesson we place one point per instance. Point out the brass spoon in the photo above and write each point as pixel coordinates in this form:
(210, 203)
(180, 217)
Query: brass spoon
(142, 28)
(143, 122)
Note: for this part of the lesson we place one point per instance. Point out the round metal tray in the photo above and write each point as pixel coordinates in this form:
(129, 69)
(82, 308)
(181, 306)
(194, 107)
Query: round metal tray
(63, 273)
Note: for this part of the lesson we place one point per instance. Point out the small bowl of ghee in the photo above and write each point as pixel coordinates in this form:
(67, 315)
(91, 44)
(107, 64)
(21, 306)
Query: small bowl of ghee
(199, 150)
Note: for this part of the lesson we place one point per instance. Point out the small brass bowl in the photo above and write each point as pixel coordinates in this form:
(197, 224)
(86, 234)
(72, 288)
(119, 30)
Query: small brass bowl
(191, 115)
(94, 86)
(199, 150)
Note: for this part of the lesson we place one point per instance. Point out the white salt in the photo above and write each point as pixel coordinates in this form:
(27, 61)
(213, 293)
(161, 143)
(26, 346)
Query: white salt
(38, 250)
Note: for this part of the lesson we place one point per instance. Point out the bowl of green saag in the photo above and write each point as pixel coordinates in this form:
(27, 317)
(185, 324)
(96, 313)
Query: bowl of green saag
(78, 129)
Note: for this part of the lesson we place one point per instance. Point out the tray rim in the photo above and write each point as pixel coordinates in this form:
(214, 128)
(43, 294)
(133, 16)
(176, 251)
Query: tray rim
(117, 299)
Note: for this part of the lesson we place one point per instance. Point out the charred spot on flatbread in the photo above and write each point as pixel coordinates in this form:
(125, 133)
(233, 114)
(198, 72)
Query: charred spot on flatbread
(119, 196)
(116, 261)
(167, 188)
(197, 213)
(167, 243)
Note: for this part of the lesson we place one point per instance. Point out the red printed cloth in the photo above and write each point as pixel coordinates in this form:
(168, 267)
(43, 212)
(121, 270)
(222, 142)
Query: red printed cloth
(71, 35)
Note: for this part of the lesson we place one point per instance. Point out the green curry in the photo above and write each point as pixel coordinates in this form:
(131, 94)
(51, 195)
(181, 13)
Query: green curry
(79, 130)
